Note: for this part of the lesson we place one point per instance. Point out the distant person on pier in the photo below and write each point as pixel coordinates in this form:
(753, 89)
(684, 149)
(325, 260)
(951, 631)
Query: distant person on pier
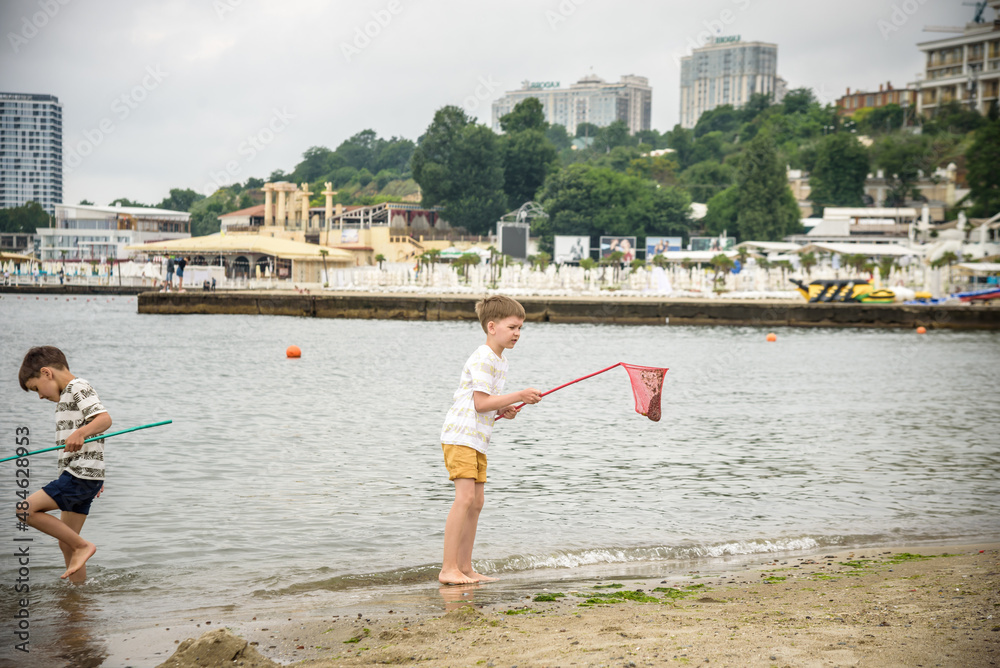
(170, 273)
(181, 263)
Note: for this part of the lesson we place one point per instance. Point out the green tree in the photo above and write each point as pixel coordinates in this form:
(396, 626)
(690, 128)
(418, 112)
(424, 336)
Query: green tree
(838, 176)
(586, 129)
(885, 266)
(124, 201)
(984, 170)
(180, 199)
(583, 199)
(721, 263)
(682, 141)
(86, 202)
(767, 209)
(798, 101)
(724, 119)
(807, 261)
(723, 211)
(901, 157)
(615, 134)
(459, 165)
(559, 137)
(706, 179)
(528, 114)
(528, 155)
(24, 219)
(317, 161)
(659, 168)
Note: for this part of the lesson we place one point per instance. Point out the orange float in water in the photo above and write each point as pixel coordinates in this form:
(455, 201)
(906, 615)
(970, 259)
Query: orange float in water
(293, 351)
(772, 337)
(921, 330)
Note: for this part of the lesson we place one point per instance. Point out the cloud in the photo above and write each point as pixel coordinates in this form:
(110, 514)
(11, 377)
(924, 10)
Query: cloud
(229, 70)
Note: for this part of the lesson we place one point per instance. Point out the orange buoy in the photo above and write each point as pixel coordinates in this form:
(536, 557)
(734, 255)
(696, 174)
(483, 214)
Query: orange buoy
(293, 351)
(921, 330)
(772, 337)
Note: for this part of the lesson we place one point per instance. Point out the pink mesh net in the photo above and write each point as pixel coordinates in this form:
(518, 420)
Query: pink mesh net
(647, 386)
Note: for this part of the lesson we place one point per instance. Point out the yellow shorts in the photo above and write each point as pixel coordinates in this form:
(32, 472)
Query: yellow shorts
(464, 462)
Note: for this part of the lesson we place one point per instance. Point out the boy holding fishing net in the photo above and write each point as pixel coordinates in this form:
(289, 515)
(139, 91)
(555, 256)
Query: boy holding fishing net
(79, 415)
(468, 427)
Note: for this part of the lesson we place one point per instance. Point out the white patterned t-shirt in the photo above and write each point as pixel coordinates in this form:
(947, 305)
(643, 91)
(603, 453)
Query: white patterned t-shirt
(78, 404)
(483, 372)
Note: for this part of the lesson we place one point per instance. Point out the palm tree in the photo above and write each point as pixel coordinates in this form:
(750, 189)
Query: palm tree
(660, 261)
(380, 259)
(587, 263)
(721, 263)
(326, 273)
(885, 266)
(807, 262)
(614, 260)
(464, 261)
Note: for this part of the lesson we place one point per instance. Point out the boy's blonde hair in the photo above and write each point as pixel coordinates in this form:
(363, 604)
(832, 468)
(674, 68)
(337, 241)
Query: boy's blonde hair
(497, 307)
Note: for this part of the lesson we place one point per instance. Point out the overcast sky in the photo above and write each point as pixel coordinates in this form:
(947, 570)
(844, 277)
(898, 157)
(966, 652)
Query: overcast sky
(169, 93)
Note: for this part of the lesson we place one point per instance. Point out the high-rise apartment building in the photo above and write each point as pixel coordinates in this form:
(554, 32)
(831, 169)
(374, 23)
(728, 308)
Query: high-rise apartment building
(963, 68)
(31, 159)
(589, 100)
(727, 71)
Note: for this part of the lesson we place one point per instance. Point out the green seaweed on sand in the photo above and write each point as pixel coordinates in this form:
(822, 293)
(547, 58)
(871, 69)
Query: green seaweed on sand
(541, 598)
(617, 597)
(671, 593)
(358, 638)
(613, 585)
(771, 579)
(522, 611)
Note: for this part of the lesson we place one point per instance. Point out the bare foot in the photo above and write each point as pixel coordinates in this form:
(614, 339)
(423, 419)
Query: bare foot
(455, 577)
(479, 577)
(79, 558)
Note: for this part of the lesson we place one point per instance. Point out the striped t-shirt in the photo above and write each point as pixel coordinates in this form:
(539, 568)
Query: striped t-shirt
(485, 372)
(78, 404)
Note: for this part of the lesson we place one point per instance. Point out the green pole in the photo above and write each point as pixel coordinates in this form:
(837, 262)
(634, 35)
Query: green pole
(92, 438)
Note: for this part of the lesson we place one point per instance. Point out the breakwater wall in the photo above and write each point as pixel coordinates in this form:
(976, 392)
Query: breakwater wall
(72, 289)
(603, 310)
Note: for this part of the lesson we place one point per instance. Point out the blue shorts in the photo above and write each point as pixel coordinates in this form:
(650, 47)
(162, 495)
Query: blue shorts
(72, 494)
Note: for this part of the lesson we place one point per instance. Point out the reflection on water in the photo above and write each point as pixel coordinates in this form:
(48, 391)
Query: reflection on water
(458, 596)
(289, 477)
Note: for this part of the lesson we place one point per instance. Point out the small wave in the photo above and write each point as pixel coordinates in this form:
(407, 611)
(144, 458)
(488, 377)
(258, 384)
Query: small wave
(564, 559)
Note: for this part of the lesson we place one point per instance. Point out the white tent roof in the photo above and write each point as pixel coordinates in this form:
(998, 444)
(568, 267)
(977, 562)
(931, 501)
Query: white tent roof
(981, 266)
(894, 250)
(770, 246)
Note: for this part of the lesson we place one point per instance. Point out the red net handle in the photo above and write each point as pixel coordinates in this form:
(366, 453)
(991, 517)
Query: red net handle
(589, 375)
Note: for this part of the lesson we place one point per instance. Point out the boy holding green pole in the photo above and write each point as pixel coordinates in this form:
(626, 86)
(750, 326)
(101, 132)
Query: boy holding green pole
(79, 415)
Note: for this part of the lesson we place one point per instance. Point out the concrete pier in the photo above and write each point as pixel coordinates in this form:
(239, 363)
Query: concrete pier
(604, 310)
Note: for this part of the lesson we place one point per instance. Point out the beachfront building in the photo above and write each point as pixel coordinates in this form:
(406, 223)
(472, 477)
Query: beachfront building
(102, 233)
(31, 158)
(589, 100)
(851, 103)
(251, 256)
(939, 191)
(964, 67)
(727, 71)
(398, 231)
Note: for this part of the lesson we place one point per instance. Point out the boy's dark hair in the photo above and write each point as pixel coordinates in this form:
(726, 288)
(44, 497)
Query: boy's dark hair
(38, 357)
(497, 307)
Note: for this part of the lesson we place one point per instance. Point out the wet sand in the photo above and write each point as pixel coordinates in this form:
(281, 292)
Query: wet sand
(872, 606)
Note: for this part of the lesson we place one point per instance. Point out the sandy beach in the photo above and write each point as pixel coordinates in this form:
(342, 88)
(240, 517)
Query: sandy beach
(916, 606)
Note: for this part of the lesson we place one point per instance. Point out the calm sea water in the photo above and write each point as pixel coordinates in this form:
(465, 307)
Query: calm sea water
(283, 477)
